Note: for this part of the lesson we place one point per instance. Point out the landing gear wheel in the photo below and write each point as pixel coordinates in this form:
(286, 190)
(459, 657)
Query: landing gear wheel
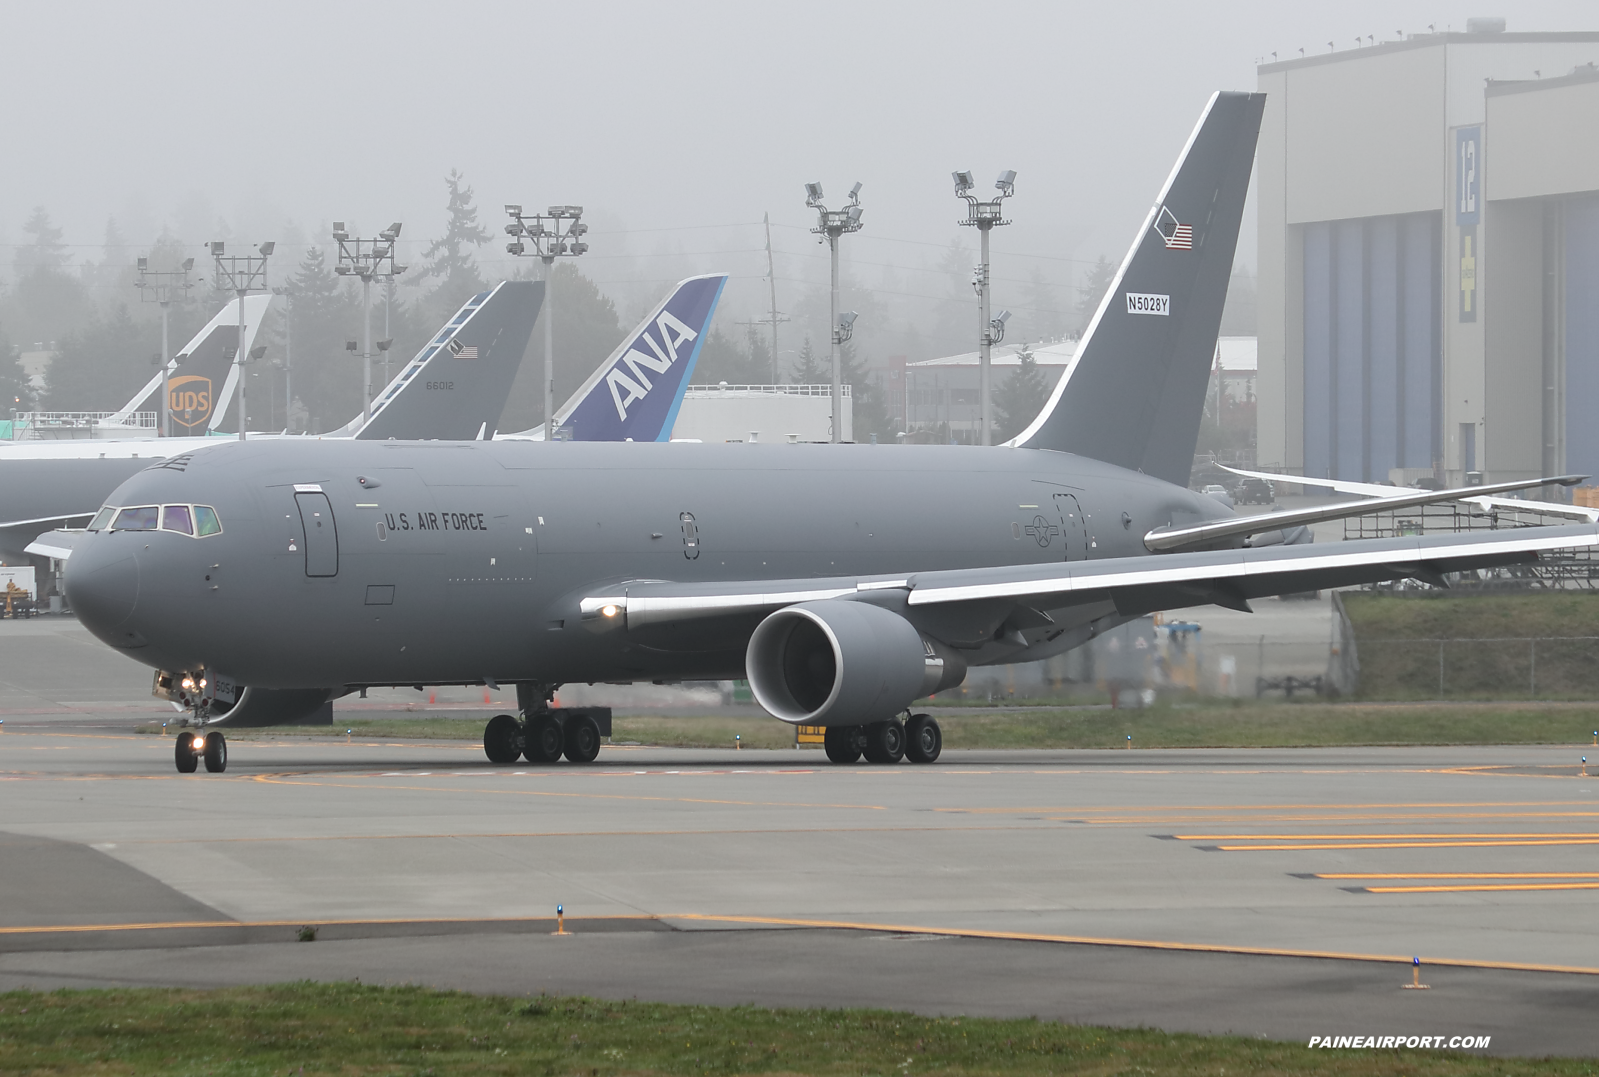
(885, 742)
(582, 739)
(502, 739)
(544, 741)
(216, 752)
(923, 739)
(843, 743)
(184, 754)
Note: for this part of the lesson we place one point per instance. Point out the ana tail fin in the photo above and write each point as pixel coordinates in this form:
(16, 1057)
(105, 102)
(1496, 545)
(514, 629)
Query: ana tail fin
(457, 385)
(1134, 394)
(635, 394)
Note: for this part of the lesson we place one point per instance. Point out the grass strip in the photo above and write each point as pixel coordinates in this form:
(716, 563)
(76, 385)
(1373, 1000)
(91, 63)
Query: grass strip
(1237, 724)
(354, 1029)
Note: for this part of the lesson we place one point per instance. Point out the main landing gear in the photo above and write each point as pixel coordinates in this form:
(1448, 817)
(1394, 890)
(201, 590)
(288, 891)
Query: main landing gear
(193, 746)
(918, 739)
(546, 735)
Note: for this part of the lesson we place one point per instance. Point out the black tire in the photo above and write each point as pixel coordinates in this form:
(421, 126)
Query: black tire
(842, 743)
(216, 752)
(502, 739)
(885, 742)
(184, 755)
(582, 739)
(544, 741)
(924, 741)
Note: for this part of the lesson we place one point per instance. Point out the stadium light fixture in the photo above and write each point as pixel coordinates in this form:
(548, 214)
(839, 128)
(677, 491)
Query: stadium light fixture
(830, 225)
(985, 216)
(555, 233)
(242, 274)
(369, 259)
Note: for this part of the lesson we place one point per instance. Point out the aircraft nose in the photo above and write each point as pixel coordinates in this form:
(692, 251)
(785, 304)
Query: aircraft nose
(102, 586)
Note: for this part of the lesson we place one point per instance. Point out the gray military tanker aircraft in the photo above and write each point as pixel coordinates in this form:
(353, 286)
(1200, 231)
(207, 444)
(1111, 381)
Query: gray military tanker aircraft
(845, 581)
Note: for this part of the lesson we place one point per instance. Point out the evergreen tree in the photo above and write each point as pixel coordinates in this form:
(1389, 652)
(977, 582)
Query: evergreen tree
(46, 251)
(450, 258)
(99, 365)
(810, 368)
(16, 393)
(326, 376)
(1019, 397)
(1095, 285)
(724, 359)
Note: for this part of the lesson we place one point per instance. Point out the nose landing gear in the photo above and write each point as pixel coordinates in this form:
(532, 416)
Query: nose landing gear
(191, 747)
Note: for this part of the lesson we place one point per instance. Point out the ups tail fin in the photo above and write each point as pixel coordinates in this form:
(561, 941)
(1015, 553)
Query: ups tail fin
(1134, 393)
(202, 376)
(635, 394)
(457, 385)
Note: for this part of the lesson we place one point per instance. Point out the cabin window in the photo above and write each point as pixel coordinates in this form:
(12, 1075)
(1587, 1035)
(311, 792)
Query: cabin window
(176, 518)
(142, 518)
(100, 522)
(206, 522)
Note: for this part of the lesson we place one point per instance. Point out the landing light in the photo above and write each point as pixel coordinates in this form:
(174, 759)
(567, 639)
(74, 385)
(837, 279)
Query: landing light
(609, 611)
(199, 741)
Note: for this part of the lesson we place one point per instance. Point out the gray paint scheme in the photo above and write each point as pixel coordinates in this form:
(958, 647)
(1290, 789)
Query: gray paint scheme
(537, 564)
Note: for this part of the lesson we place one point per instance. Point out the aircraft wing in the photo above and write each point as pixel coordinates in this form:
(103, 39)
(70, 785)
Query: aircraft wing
(1135, 585)
(1208, 534)
(1372, 489)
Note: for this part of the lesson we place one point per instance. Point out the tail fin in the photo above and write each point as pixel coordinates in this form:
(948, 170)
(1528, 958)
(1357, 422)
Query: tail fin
(200, 379)
(635, 394)
(1134, 393)
(456, 387)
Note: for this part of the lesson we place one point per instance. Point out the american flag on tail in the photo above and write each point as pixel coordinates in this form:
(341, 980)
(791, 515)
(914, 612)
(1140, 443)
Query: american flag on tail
(462, 351)
(1177, 237)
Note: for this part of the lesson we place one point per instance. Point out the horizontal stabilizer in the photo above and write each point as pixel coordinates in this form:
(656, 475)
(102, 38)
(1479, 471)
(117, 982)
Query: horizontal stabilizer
(1220, 531)
(1373, 489)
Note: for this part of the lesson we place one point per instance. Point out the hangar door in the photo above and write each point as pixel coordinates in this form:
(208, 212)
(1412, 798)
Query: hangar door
(1373, 355)
(321, 536)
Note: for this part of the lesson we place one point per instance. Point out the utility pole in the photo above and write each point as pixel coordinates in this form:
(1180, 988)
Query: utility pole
(165, 287)
(832, 224)
(985, 216)
(557, 231)
(242, 273)
(771, 277)
(366, 258)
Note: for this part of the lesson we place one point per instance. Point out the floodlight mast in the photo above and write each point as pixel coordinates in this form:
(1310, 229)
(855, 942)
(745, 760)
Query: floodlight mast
(985, 216)
(288, 295)
(546, 236)
(241, 273)
(165, 286)
(833, 223)
(369, 259)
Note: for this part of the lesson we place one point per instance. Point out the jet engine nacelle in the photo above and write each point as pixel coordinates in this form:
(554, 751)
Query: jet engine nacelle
(843, 663)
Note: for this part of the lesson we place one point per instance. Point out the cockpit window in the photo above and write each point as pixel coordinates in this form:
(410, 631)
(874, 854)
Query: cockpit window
(205, 521)
(99, 522)
(142, 518)
(176, 518)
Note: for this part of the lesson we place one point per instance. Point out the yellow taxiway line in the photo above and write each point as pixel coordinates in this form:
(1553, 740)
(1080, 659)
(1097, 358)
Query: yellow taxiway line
(1138, 944)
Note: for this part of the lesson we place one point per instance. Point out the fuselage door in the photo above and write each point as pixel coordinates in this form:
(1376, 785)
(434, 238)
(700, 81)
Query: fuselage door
(1073, 526)
(321, 536)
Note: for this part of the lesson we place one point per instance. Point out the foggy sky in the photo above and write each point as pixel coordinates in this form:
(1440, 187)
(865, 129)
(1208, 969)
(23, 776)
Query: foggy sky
(660, 119)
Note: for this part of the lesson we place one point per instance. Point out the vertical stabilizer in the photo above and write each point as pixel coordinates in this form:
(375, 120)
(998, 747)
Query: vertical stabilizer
(201, 376)
(635, 394)
(457, 385)
(1134, 394)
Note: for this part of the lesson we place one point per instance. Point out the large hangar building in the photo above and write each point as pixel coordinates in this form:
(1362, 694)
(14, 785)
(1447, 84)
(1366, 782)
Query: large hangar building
(1429, 258)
